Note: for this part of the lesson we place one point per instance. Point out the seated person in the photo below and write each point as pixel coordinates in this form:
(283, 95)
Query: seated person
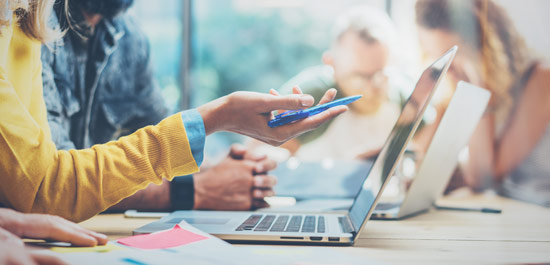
(15, 226)
(124, 99)
(511, 146)
(356, 64)
(77, 184)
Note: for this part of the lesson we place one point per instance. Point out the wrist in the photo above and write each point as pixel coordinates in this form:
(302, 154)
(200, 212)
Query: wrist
(199, 191)
(212, 114)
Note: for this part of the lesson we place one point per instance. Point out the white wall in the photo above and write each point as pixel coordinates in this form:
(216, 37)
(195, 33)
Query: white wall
(532, 19)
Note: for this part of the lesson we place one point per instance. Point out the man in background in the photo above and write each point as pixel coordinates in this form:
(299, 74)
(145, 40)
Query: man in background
(99, 86)
(357, 63)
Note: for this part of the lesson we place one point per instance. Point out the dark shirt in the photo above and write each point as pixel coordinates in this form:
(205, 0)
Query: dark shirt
(99, 89)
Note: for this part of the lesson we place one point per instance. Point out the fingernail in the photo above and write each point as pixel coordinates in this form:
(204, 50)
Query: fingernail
(98, 235)
(258, 182)
(306, 100)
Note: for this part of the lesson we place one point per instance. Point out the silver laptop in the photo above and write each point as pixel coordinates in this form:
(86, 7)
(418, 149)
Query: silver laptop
(453, 132)
(321, 228)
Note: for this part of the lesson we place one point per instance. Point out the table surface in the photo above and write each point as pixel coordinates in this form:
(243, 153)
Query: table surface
(520, 234)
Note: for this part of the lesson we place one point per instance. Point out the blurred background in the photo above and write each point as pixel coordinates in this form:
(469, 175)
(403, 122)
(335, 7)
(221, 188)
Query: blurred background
(210, 48)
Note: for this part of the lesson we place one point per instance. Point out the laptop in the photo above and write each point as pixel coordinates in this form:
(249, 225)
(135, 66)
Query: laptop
(453, 133)
(321, 228)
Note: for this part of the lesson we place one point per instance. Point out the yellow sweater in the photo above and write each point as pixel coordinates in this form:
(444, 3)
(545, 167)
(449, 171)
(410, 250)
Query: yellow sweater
(75, 184)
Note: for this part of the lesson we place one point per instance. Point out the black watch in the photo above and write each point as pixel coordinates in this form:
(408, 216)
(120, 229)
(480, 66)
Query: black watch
(182, 193)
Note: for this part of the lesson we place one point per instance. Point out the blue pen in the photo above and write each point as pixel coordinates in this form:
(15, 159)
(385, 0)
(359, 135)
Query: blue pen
(294, 115)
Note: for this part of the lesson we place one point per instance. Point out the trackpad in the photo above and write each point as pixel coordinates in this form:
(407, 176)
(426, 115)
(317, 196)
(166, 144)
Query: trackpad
(200, 221)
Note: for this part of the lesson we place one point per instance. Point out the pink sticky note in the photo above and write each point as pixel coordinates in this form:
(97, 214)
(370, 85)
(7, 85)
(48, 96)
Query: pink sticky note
(174, 237)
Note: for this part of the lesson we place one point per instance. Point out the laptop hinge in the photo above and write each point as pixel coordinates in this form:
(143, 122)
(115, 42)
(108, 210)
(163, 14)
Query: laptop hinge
(346, 225)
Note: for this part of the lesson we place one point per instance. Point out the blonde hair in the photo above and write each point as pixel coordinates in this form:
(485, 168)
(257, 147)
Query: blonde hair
(33, 19)
(369, 23)
(486, 26)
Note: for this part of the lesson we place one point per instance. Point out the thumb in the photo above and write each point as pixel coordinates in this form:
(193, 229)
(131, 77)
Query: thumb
(288, 102)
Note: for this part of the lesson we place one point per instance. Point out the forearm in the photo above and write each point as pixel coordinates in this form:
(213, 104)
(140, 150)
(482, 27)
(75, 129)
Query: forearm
(214, 118)
(480, 165)
(153, 198)
(81, 183)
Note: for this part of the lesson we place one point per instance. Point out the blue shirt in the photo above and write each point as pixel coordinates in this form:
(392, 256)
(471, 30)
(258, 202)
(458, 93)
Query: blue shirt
(194, 127)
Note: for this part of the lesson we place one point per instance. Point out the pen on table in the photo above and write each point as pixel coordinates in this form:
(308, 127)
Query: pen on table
(467, 209)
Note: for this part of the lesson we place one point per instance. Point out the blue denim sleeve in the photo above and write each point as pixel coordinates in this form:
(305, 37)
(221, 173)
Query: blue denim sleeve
(194, 127)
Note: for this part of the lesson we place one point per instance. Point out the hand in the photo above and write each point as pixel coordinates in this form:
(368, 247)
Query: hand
(239, 182)
(263, 183)
(296, 90)
(49, 227)
(248, 113)
(16, 254)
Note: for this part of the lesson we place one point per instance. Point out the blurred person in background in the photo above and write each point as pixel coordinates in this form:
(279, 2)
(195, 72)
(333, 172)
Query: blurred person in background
(78, 184)
(357, 63)
(510, 149)
(99, 86)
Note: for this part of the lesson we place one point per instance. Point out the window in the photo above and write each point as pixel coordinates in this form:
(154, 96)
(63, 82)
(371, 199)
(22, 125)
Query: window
(256, 45)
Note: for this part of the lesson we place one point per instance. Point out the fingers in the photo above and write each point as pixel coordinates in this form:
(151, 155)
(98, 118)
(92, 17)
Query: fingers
(274, 92)
(6, 236)
(264, 166)
(294, 129)
(260, 194)
(328, 96)
(287, 102)
(44, 259)
(237, 151)
(297, 90)
(255, 156)
(264, 181)
(316, 120)
(56, 228)
(14, 254)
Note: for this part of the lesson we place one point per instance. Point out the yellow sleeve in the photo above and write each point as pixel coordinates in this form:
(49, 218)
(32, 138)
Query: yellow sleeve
(78, 184)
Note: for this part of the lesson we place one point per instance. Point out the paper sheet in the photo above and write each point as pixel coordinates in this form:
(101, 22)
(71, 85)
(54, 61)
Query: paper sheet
(174, 237)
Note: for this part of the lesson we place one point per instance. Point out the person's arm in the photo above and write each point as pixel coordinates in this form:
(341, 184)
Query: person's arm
(239, 182)
(527, 124)
(490, 160)
(479, 166)
(77, 184)
(49, 227)
(248, 113)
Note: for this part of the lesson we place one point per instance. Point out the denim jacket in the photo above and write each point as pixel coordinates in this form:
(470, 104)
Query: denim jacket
(100, 89)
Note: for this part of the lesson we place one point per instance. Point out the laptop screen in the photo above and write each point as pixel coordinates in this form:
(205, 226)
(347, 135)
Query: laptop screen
(402, 132)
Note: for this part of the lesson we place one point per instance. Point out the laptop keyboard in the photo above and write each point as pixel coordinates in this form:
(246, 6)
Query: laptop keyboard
(283, 223)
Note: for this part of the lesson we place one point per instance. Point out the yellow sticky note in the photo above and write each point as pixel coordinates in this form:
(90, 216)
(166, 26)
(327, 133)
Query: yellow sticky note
(105, 248)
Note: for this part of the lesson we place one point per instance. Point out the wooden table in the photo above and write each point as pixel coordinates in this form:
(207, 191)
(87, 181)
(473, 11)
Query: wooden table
(521, 234)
